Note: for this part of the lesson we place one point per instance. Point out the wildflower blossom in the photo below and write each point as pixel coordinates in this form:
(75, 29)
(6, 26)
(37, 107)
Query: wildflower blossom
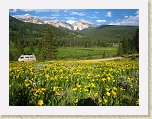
(40, 102)
(108, 94)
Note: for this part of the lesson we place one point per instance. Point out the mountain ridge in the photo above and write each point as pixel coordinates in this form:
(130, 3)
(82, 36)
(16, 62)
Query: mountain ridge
(78, 25)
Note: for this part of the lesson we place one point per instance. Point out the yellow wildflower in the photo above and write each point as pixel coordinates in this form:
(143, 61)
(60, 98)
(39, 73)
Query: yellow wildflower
(76, 101)
(137, 102)
(96, 95)
(105, 100)
(57, 93)
(43, 89)
(27, 84)
(92, 84)
(86, 90)
(35, 94)
(114, 88)
(108, 78)
(107, 89)
(47, 76)
(108, 94)
(113, 92)
(40, 102)
(99, 100)
(74, 89)
(55, 88)
(103, 79)
(78, 85)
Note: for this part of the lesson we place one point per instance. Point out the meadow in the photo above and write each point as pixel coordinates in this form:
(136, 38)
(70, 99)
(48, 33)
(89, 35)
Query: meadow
(74, 53)
(74, 83)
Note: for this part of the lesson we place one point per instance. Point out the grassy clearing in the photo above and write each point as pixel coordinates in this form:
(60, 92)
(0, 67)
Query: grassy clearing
(73, 53)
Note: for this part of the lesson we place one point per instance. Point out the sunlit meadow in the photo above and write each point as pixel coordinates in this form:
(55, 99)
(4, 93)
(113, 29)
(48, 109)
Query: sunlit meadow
(74, 83)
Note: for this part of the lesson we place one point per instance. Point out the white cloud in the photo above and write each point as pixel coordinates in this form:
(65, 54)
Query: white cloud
(130, 20)
(28, 10)
(45, 17)
(36, 10)
(66, 10)
(78, 13)
(92, 17)
(42, 10)
(97, 12)
(70, 18)
(108, 14)
(26, 15)
(71, 21)
(101, 21)
(126, 16)
(55, 10)
(13, 10)
(137, 13)
(16, 16)
(55, 15)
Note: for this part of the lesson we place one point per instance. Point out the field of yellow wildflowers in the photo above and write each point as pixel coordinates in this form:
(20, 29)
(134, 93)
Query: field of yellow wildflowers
(72, 83)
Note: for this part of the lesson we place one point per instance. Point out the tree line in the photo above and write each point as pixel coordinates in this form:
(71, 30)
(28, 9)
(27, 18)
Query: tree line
(47, 48)
(129, 45)
(27, 38)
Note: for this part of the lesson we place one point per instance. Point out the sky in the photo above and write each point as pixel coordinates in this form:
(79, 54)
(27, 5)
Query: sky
(96, 16)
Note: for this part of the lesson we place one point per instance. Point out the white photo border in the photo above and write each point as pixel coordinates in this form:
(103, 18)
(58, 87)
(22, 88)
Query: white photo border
(142, 5)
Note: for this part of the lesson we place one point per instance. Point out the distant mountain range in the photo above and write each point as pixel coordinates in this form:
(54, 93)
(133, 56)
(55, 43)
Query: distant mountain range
(79, 25)
(35, 28)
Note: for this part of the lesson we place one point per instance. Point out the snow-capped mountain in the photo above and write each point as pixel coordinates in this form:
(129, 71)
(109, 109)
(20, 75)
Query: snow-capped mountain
(28, 18)
(83, 24)
(79, 25)
(59, 23)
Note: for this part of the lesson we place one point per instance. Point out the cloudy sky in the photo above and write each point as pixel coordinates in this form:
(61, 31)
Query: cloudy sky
(96, 16)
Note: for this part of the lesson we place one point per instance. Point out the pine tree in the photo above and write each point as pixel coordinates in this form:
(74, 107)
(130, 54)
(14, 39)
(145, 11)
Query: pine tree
(19, 48)
(89, 56)
(31, 46)
(125, 45)
(120, 50)
(49, 45)
(104, 55)
(136, 40)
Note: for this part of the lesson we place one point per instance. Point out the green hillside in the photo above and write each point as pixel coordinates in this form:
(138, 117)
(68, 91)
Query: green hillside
(36, 30)
(27, 37)
(111, 32)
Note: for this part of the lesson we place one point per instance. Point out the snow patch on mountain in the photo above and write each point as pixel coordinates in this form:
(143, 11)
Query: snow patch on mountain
(72, 25)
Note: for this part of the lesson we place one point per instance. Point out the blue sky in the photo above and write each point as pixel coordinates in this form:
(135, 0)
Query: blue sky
(96, 16)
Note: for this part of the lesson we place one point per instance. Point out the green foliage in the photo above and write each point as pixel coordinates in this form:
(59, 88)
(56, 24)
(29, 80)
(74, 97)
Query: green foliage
(110, 33)
(129, 46)
(28, 37)
(136, 40)
(19, 48)
(133, 57)
(125, 44)
(120, 50)
(89, 56)
(104, 55)
(31, 46)
(49, 46)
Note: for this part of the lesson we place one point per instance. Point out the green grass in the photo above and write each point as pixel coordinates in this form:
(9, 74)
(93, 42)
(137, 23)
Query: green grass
(74, 53)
